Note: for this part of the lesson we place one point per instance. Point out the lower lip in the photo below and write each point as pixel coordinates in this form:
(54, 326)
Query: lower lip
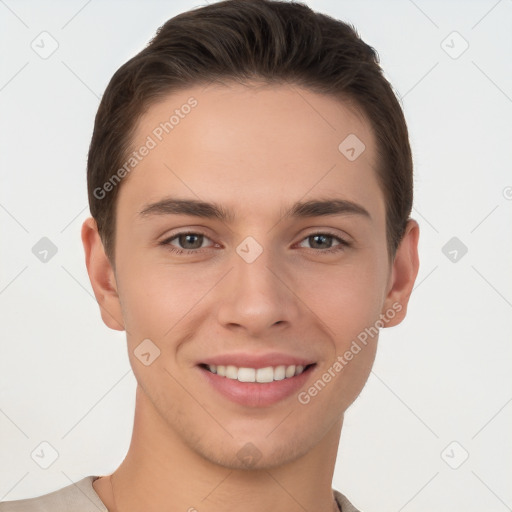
(256, 394)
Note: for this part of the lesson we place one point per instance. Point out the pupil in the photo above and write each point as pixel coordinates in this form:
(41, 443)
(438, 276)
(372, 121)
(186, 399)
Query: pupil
(320, 238)
(185, 239)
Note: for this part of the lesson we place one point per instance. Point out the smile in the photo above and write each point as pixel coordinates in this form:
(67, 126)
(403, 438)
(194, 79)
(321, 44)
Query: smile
(261, 375)
(256, 379)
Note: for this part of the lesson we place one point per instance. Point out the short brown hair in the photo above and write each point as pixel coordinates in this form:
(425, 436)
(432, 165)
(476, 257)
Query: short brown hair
(269, 41)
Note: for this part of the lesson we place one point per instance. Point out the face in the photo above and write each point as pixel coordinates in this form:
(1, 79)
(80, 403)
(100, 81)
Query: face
(281, 277)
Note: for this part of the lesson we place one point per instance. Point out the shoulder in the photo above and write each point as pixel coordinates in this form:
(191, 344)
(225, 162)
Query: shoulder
(343, 503)
(76, 497)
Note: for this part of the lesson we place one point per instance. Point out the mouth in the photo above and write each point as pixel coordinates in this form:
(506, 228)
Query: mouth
(260, 375)
(261, 385)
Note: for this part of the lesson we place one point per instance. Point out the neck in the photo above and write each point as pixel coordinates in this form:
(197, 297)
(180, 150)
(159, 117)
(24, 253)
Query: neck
(160, 472)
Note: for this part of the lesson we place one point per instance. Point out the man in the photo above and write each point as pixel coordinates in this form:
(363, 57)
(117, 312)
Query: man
(250, 185)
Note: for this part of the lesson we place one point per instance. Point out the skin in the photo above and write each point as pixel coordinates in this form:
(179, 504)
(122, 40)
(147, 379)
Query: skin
(255, 150)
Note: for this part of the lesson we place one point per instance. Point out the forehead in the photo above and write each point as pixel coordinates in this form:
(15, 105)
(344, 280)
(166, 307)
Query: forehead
(246, 146)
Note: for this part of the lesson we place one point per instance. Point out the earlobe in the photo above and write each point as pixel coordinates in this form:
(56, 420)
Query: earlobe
(102, 276)
(403, 275)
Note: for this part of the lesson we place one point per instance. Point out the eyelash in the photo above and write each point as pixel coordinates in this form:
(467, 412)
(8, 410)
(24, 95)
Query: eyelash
(343, 244)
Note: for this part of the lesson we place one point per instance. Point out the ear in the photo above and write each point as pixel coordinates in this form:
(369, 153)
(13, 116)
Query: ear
(403, 275)
(102, 276)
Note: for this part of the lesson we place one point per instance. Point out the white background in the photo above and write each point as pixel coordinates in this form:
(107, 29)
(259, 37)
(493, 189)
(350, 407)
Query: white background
(441, 376)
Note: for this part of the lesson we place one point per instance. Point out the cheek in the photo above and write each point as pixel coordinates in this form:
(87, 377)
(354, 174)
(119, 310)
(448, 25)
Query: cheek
(156, 296)
(347, 297)
(349, 304)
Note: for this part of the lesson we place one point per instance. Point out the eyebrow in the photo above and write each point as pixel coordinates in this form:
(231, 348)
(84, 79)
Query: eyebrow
(312, 208)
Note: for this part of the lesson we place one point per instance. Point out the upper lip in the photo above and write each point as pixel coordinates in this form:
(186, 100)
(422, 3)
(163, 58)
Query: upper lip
(241, 360)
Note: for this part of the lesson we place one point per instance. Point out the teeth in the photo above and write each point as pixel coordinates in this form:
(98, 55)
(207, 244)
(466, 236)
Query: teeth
(268, 374)
(245, 375)
(265, 374)
(231, 372)
(290, 371)
(279, 372)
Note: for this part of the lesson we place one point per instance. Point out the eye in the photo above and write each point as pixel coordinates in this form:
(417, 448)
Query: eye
(324, 241)
(188, 242)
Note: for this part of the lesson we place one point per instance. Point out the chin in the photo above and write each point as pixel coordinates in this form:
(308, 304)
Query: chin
(258, 454)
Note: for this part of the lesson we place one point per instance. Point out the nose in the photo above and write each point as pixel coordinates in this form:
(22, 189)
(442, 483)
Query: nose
(257, 296)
